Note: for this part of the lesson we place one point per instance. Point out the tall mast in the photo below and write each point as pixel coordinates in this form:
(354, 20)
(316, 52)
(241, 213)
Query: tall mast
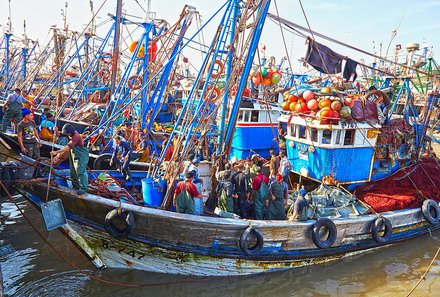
(115, 55)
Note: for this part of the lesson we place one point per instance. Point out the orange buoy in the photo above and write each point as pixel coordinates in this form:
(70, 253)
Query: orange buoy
(132, 46)
(219, 71)
(212, 94)
(106, 58)
(134, 82)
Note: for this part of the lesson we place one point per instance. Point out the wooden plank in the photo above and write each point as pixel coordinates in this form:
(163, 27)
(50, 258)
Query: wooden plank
(4, 143)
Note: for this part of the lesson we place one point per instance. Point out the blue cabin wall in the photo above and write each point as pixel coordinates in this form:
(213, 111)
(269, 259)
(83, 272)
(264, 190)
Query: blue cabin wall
(343, 164)
(253, 140)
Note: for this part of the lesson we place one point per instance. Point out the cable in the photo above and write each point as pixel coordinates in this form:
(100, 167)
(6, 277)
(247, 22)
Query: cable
(424, 274)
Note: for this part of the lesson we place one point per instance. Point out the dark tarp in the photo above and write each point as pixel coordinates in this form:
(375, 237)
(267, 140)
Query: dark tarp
(323, 58)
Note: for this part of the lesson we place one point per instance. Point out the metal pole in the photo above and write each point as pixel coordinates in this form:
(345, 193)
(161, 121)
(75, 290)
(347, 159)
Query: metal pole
(115, 56)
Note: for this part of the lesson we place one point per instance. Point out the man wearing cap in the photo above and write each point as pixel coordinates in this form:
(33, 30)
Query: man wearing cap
(185, 194)
(278, 195)
(28, 135)
(122, 157)
(12, 108)
(224, 193)
(301, 207)
(260, 188)
(254, 166)
(78, 158)
(242, 201)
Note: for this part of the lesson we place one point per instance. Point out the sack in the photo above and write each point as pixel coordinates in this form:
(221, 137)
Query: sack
(46, 134)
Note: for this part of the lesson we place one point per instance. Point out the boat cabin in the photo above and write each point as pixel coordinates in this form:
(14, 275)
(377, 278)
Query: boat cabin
(343, 152)
(255, 131)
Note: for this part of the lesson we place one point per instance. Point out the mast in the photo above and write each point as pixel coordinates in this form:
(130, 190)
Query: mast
(8, 34)
(115, 55)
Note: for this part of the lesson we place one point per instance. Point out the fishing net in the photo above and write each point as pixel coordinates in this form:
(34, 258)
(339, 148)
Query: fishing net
(407, 188)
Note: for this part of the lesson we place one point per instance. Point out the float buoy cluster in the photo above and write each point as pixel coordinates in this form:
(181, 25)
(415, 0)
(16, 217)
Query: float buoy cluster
(152, 50)
(324, 105)
(266, 77)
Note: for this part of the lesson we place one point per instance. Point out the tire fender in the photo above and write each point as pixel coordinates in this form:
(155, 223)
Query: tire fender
(125, 218)
(431, 211)
(331, 230)
(98, 164)
(376, 228)
(245, 237)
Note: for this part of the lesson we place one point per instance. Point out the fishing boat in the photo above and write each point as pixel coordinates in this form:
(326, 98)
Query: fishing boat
(116, 231)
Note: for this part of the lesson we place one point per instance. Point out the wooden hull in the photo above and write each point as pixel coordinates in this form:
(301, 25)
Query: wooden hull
(169, 242)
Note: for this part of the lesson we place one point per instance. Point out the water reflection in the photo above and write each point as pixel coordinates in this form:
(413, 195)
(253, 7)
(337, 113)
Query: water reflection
(35, 270)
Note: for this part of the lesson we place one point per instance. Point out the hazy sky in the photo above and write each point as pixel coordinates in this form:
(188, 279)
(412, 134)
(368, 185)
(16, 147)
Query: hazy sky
(364, 24)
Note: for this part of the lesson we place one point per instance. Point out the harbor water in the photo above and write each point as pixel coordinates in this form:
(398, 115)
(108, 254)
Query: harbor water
(33, 268)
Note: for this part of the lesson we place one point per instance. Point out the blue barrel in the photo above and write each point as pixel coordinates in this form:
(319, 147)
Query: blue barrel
(153, 191)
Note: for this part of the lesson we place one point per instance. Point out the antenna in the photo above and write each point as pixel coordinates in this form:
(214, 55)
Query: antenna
(64, 15)
(9, 25)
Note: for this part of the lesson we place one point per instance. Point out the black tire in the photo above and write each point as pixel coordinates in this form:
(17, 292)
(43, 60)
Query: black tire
(250, 250)
(431, 211)
(102, 162)
(119, 225)
(376, 229)
(330, 230)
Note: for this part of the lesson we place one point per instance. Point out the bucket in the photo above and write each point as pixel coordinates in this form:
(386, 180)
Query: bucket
(153, 191)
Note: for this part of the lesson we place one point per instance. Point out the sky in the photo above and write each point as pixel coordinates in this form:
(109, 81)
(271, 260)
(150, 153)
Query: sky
(363, 24)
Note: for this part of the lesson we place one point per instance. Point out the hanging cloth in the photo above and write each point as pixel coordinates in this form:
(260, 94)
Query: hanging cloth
(350, 69)
(323, 58)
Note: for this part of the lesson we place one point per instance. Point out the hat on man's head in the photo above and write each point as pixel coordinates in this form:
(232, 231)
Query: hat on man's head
(302, 192)
(189, 174)
(240, 166)
(372, 88)
(196, 160)
(254, 156)
(25, 111)
(279, 177)
(258, 169)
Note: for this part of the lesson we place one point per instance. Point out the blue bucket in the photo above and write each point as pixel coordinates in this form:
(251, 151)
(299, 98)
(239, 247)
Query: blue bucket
(153, 191)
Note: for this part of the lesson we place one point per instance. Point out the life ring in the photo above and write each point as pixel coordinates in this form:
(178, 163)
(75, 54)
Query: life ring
(431, 211)
(98, 164)
(106, 58)
(119, 223)
(219, 71)
(376, 229)
(134, 82)
(212, 94)
(250, 250)
(318, 233)
(104, 73)
(70, 73)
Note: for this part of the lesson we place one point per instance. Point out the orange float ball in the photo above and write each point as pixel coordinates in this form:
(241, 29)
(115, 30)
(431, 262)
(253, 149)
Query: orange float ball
(298, 107)
(286, 105)
(292, 106)
(325, 103)
(336, 105)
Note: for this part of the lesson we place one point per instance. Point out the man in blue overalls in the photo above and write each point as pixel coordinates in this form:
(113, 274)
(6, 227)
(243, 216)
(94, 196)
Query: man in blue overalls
(124, 150)
(12, 108)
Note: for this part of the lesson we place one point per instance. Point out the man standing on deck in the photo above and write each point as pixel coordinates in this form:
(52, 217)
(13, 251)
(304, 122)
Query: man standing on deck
(285, 167)
(260, 188)
(78, 158)
(240, 182)
(185, 193)
(278, 195)
(12, 108)
(274, 164)
(122, 157)
(28, 135)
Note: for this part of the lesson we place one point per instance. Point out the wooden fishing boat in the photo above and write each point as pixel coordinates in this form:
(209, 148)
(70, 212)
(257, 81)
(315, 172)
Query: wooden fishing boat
(168, 242)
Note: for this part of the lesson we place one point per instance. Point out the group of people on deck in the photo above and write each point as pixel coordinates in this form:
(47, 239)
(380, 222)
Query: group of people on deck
(243, 190)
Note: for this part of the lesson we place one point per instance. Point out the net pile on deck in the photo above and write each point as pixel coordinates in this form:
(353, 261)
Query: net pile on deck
(407, 188)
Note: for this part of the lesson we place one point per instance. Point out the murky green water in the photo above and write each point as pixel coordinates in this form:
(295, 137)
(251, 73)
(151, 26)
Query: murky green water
(34, 269)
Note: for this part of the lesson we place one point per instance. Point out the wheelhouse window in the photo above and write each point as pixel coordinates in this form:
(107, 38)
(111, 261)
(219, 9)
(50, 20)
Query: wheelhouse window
(326, 136)
(293, 129)
(302, 132)
(349, 137)
(314, 135)
(254, 116)
(246, 116)
(338, 137)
